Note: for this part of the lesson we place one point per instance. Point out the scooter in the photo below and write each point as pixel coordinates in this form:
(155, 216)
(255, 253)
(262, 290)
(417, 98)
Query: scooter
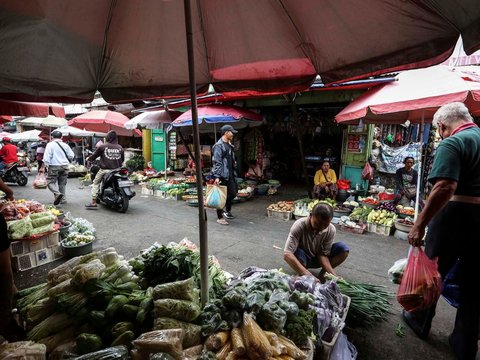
(13, 173)
(115, 189)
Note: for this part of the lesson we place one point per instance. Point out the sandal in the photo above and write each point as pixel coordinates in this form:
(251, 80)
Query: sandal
(222, 221)
(91, 206)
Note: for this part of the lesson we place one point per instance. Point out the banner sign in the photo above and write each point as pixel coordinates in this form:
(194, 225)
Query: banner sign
(391, 158)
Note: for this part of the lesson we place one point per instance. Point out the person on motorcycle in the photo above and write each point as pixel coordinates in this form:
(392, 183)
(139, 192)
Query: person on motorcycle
(111, 157)
(8, 153)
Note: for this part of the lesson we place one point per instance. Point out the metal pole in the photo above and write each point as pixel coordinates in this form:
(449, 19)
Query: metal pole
(202, 214)
(419, 179)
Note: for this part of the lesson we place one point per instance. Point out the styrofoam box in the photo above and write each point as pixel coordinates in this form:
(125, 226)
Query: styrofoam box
(280, 215)
(57, 252)
(37, 244)
(147, 191)
(24, 262)
(159, 193)
(53, 239)
(19, 248)
(43, 256)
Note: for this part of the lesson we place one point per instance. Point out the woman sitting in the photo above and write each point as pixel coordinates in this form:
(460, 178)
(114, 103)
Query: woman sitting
(325, 182)
(406, 181)
(254, 171)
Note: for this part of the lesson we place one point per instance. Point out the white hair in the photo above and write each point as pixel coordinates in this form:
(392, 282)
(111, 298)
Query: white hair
(452, 113)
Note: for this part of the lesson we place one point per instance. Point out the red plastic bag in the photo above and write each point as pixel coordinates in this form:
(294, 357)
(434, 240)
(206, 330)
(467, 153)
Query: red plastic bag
(421, 282)
(343, 184)
(367, 172)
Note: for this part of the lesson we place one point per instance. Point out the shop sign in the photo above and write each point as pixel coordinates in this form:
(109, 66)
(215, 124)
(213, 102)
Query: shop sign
(356, 143)
(391, 158)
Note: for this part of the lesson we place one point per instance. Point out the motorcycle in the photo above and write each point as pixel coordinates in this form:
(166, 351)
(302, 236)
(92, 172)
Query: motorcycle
(14, 173)
(115, 188)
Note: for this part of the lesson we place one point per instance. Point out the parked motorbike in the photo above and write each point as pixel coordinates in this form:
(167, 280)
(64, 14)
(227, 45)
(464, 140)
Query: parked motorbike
(115, 188)
(14, 173)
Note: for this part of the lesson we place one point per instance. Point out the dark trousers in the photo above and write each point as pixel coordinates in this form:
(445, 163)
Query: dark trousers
(443, 241)
(231, 194)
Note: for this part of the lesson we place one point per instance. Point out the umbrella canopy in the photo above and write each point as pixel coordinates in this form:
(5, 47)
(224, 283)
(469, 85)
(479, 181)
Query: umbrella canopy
(5, 119)
(416, 93)
(151, 119)
(66, 50)
(19, 108)
(49, 121)
(103, 121)
(220, 114)
(76, 132)
(30, 135)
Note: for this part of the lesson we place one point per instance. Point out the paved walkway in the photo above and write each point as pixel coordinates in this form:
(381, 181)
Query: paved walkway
(252, 239)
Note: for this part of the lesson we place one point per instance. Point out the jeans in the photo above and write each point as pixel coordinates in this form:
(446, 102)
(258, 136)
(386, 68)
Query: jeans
(231, 193)
(312, 262)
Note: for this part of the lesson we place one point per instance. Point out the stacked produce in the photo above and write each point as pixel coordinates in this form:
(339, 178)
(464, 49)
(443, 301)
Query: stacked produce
(282, 206)
(328, 201)
(360, 214)
(382, 217)
(405, 210)
(81, 232)
(301, 207)
(34, 224)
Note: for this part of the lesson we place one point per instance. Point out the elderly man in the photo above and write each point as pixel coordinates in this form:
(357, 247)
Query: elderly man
(310, 243)
(453, 207)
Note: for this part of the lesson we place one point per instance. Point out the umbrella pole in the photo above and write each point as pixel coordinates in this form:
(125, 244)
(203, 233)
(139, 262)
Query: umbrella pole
(419, 178)
(202, 215)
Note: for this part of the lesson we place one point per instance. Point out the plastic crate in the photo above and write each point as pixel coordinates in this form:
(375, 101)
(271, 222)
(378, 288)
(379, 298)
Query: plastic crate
(57, 252)
(280, 215)
(384, 230)
(371, 227)
(160, 194)
(24, 262)
(147, 191)
(328, 346)
(19, 248)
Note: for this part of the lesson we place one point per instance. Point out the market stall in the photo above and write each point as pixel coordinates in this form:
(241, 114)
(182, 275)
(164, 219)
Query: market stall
(102, 304)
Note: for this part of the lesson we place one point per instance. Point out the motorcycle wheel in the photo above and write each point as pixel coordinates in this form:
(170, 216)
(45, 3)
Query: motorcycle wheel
(22, 180)
(123, 206)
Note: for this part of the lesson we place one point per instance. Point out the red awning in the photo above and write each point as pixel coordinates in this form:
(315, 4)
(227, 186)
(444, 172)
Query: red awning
(34, 109)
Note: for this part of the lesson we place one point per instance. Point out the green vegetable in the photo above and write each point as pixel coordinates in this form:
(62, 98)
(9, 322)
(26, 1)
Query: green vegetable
(115, 305)
(119, 328)
(272, 317)
(40, 215)
(111, 353)
(98, 319)
(51, 325)
(130, 311)
(87, 343)
(43, 221)
(124, 338)
(235, 298)
(299, 328)
(302, 299)
(193, 333)
(42, 229)
(178, 309)
(145, 306)
(180, 290)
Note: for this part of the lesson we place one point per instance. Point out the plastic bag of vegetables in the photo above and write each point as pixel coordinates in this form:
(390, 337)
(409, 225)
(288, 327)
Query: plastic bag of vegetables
(181, 290)
(193, 333)
(177, 309)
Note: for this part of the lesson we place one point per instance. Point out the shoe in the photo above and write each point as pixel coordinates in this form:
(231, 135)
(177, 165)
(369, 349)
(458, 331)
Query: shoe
(412, 324)
(58, 198)
(222, 221)
(228, 215)
(91, 206)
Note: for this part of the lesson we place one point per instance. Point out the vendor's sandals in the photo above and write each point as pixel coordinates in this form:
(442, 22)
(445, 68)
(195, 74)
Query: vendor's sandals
(222, 222)
(91, 207)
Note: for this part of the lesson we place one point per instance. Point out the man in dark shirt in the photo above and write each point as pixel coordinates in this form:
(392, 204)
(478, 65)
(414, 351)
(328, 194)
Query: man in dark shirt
(111, 157)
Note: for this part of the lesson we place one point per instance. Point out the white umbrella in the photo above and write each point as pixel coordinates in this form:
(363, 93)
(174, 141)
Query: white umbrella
(49, 121)
(149, 120)
(76, 132)
(31, 135)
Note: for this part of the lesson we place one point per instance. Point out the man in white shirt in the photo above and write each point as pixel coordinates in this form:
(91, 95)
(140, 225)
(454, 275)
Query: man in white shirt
(57, 157)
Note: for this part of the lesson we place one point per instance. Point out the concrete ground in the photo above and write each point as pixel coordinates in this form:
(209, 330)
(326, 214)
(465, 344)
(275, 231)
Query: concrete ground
(252, 239)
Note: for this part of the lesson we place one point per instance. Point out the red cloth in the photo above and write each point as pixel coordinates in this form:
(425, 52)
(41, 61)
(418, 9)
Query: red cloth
(9, 153)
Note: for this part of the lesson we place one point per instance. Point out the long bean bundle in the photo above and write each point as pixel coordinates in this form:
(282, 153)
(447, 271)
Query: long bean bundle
(369, 303)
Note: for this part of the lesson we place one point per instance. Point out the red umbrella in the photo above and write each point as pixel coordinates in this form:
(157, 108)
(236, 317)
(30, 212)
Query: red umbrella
(19, 108)
(416, 93)
(104, 121)
(5, 119)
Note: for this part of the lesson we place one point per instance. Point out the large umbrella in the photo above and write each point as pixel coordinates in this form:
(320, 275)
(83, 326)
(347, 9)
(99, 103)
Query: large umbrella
(30, 135)
(71, 131)
(151, 119)
(103, 121)
(49, 121)
(212, 117)
(415, 94)
(19, 108)
(136, 50)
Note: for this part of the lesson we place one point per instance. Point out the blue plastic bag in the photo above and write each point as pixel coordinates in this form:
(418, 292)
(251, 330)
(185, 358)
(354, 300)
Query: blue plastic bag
(216, 196)
(450, 286)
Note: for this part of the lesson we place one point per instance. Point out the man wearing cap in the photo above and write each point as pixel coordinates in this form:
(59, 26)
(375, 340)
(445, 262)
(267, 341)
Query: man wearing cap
(56, 158)
(8, 153)
(224, 170)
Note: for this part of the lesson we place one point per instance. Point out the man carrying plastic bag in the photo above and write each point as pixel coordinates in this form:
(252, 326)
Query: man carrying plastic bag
(224, 171)
(453, 208)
